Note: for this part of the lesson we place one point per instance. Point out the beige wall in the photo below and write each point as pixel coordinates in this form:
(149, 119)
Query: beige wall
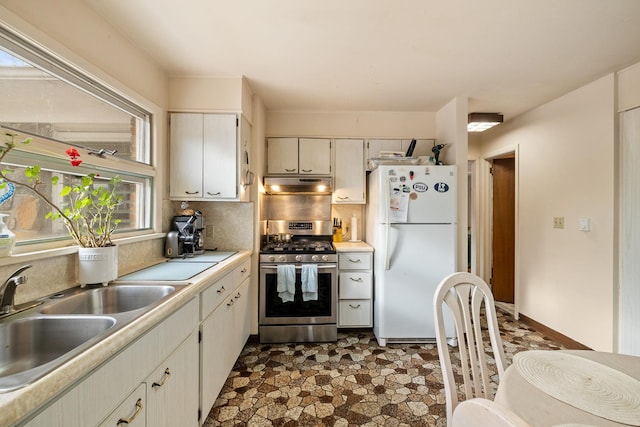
(363, 124)
(629, 88)
(566, 168)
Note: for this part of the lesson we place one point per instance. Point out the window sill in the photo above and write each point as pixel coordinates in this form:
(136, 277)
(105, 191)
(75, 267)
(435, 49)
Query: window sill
(66, 250)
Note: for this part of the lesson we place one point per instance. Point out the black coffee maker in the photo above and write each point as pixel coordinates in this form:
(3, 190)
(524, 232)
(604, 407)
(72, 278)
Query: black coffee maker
(185, 238)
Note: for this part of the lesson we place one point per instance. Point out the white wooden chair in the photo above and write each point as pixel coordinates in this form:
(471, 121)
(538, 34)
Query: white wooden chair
(466, 295)
(481, 412)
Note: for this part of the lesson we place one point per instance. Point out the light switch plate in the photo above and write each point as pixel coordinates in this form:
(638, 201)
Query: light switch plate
(585, 224)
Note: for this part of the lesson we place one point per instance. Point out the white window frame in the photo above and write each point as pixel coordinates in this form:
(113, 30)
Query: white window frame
(66, 71)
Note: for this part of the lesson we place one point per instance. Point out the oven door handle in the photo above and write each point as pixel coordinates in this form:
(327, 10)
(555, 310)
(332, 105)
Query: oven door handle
(298, 267)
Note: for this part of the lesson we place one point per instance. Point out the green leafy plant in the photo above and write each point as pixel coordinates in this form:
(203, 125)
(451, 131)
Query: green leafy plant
(87, 209)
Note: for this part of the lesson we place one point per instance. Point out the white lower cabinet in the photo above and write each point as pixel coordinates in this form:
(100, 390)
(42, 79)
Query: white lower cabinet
(224, 330)
(355, 289)
(171, 389)
(112, 391)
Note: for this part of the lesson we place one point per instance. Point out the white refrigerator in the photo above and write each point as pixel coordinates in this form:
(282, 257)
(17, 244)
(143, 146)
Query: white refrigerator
(411, 223)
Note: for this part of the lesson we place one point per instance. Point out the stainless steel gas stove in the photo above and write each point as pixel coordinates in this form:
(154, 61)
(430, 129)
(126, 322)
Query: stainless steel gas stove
(301, 253)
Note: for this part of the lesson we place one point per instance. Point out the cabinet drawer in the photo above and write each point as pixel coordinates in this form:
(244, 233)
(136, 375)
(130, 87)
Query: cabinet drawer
(133, 410)
(242, 272)
(354, 285)
(215, 294)
(354, 313)
(354, 261)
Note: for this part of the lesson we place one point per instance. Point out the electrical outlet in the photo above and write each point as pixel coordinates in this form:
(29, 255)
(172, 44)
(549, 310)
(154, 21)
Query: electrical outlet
(558, 222)
(208, 231)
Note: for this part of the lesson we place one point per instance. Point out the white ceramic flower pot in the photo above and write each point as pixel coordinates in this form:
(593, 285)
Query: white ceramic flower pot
(97, 265)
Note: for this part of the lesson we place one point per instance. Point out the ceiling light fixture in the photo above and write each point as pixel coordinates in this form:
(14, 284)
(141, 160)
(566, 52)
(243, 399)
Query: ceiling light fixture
(479, 122)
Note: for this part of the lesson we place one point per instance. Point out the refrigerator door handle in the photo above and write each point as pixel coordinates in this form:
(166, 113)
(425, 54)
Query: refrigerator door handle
(387, 223)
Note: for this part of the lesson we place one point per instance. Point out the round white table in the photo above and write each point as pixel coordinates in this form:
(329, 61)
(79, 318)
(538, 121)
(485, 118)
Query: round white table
(530, 392)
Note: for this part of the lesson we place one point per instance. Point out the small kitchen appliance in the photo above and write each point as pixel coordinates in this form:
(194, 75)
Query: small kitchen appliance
(299, 245)
(185, 238)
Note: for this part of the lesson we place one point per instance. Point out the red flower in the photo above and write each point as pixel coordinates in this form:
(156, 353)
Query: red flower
(75, 156)
(72, 152)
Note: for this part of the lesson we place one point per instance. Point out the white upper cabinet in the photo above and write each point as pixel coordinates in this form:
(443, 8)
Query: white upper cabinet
(349, 175)
(314, 156)
(203, 156)
(299, 156)
(282, 156)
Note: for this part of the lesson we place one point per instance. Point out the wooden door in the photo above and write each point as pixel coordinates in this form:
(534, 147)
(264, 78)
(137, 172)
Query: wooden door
(502, 277)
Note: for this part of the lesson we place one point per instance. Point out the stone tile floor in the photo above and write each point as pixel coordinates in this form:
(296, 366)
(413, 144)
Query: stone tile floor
(351, 382)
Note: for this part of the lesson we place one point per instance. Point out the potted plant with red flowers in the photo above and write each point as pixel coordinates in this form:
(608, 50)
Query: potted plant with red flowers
(87, 211)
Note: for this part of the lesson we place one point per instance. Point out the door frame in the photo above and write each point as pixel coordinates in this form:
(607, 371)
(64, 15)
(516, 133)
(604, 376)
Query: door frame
(486, 218)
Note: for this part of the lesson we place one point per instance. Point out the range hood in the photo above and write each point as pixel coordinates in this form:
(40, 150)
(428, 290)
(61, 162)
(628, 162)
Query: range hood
(297, 185)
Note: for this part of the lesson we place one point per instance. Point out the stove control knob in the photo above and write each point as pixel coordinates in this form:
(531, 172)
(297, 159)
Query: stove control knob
(325, 258)
(282, 258)
(298, 258)
(272, 258)
(314, 257)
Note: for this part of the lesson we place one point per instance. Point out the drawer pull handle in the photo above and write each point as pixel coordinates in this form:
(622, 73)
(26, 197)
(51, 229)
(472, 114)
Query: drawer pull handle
(343, 198)
(354, 260)
(213, 194)
(221, 290)
(238, 295)
(359, 279)
(354, 306)
(244, 270)
(192, 192)
(230, 303)
(132, 417)
(307, 170)
(290, 170)
(164, 379)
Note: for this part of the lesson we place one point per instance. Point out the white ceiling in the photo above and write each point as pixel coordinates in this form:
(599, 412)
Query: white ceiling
(388, 55)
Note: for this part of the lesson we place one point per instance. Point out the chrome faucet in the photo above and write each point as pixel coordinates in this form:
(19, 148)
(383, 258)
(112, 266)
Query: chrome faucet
(8, 290)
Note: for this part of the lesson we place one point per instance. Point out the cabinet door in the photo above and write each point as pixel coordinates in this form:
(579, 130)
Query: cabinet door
(131, 412)
(186, 155)
(241, 318)
(172, 389)
(349, 183)
(282, 155)
(220, 156)
(217, 337)
(314, 156)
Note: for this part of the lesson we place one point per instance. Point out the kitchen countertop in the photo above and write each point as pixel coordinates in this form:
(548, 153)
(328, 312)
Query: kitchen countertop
(352, 247)
(16, 405)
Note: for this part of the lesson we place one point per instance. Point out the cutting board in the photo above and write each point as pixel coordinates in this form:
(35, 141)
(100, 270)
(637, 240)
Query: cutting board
(208, 256)
(169, 271)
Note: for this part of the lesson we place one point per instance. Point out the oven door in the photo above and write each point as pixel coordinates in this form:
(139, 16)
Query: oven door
(274, 311)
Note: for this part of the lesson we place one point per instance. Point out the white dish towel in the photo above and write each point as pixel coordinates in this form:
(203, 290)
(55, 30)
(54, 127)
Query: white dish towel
(309, 282)
(286, 286)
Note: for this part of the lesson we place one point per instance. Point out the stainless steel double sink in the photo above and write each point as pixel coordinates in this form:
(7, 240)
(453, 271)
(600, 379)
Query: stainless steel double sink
(37, 341)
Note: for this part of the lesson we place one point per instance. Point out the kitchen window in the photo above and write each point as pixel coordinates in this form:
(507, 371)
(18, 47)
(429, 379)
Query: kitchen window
(46, 98)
